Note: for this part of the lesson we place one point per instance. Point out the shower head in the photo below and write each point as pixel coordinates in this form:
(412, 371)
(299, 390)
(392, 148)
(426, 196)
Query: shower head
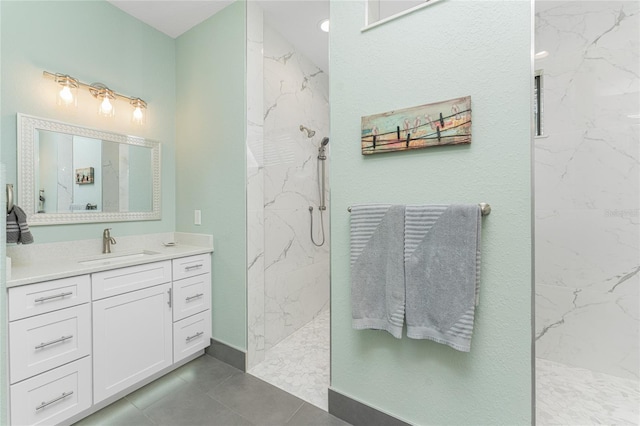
(324, 141)
(310, 132)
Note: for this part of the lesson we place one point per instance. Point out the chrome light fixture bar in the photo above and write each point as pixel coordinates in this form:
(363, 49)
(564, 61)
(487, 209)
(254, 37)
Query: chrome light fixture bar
(67, 96)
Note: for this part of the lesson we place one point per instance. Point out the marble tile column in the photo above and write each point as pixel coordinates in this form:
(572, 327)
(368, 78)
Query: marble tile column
(587, 186)
(255, 186)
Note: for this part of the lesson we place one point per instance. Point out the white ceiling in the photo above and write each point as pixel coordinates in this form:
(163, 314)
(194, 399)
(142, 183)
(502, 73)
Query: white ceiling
(171, 17)
(296, 20)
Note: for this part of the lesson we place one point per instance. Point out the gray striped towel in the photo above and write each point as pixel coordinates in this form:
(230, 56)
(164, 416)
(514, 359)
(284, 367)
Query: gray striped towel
(17, 228)
(377, 270)
(442, 272)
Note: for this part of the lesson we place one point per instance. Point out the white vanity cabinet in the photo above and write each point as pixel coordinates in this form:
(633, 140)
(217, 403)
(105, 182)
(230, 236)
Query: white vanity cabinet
(49, 350)
(78, 343)
(132, 331)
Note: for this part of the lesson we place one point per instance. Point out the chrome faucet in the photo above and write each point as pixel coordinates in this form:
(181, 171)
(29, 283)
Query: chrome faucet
(107, 240)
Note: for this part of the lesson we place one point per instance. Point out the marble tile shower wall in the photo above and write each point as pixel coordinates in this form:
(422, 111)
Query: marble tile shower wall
(587, 186)
(296, 276)
(288, 277)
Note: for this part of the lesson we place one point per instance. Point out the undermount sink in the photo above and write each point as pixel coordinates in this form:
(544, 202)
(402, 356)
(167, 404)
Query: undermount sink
(108, 259)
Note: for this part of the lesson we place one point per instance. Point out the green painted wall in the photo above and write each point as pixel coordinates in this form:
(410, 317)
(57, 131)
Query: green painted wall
(210, 157)
(94, 42)
(447, 50)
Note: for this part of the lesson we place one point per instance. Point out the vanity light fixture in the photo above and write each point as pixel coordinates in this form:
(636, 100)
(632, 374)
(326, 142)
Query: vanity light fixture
(67, 96)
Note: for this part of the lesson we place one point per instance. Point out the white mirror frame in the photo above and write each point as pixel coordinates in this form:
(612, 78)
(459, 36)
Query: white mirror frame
(27, 126)
(372, 13)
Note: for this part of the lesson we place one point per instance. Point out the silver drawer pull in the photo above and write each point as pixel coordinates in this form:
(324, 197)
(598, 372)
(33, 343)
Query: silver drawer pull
(46, 404)
(62, 339)
(192, 267)
(195, 296)
(55, 296)
(170, 298)
(195, 336)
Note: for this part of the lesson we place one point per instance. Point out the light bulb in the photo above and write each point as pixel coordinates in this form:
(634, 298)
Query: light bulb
(324, 25)
(65, 95)
(106, 107)
(138, 116)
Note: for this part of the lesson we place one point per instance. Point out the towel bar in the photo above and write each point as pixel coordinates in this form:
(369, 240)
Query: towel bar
(485, 209)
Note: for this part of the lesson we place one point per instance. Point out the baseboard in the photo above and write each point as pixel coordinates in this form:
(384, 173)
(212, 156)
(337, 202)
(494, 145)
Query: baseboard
(358, 413)
(228, 354)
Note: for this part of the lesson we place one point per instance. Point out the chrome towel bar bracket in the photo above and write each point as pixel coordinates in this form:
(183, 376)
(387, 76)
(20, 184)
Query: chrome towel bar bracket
(9, 197)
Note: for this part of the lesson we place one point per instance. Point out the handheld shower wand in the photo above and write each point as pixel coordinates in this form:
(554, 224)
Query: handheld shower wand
(322, 157)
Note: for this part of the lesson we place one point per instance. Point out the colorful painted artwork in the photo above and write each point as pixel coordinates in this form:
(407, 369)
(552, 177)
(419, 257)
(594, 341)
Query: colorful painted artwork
(441, 123)
(84, 175)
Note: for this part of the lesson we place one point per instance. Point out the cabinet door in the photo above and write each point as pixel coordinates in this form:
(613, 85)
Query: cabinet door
(191, 335)
(46, 341)
(122, 280)
(131, 338)
(191, 295)
(35, 299)
(191, 266)
(52, 397)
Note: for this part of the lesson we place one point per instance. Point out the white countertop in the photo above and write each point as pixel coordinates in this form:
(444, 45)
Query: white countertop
(45, 269)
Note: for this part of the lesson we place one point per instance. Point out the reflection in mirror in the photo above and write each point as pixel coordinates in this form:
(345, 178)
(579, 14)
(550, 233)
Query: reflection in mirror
(379, 11)
(70, 174)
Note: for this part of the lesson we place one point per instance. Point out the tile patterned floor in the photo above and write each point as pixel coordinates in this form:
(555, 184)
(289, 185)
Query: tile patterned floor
(300, 363)
(576, 396)
(209, 392)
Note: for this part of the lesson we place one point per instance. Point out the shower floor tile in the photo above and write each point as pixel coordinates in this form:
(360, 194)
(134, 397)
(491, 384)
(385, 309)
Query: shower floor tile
(300, 363)
(577, 396)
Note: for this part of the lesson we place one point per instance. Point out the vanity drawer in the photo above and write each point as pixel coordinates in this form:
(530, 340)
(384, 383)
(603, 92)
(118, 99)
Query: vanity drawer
(34, 299)
(123, 280)
(54, 396)
(190, 266)
(191, 295)
(40, 343)
(191, 335)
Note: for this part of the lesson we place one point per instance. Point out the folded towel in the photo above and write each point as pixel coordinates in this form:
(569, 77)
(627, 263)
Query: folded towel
(377, 270)
(17, 228)
(442, 272)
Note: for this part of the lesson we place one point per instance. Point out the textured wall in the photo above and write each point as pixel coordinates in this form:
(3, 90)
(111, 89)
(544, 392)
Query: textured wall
(210, 157)
(444, 51)
(588, 186)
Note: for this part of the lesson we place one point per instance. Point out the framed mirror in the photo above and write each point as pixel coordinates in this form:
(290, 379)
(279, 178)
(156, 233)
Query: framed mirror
(72, 174)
